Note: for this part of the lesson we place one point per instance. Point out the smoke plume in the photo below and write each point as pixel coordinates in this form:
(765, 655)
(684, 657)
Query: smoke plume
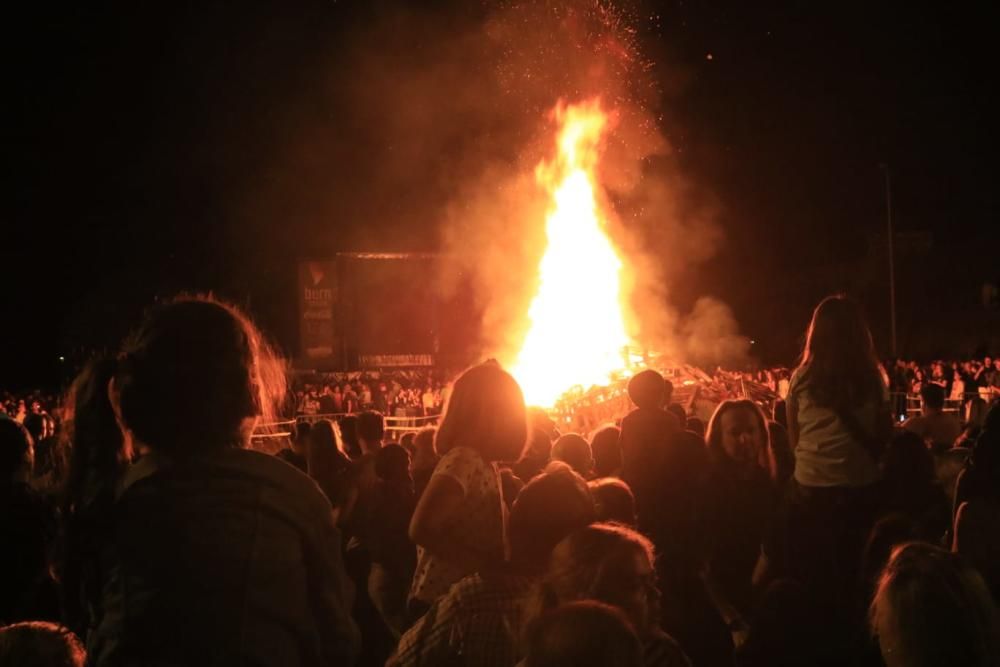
(442, 116)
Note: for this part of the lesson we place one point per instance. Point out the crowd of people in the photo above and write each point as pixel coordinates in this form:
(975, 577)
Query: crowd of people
(408, 393)
(820, 533)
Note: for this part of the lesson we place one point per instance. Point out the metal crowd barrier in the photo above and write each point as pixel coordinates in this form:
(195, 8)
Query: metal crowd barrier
(393, 424)
(954, 405)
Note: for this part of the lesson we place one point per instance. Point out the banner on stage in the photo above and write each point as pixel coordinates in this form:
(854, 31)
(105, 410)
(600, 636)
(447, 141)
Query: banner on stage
(318, 293)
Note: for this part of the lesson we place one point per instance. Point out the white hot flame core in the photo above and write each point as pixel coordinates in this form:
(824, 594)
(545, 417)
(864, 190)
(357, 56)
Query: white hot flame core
(577, 334)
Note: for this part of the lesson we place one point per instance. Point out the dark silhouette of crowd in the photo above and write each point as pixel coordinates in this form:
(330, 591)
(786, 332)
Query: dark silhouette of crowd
(818, 531)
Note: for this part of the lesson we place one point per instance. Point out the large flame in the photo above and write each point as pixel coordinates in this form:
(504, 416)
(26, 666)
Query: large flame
(577, 334)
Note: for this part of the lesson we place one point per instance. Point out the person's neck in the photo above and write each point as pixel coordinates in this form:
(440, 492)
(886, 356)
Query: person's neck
(369, 447)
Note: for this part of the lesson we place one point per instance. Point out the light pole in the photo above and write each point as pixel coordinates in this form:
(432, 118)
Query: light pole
(892, 260)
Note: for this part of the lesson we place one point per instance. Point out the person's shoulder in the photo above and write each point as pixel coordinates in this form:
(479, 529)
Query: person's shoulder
(664, 651)
(272, 471)
(461, 455)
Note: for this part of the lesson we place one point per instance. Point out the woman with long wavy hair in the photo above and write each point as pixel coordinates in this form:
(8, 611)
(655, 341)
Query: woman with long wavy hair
(839, 420)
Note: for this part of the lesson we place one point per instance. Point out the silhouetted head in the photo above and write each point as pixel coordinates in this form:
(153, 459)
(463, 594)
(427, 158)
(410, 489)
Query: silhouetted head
(606, 562)
(40, 644)
(16, 451)
(98, 452)
(607, 451)
(371, 429)
(839, 363)
(547, 509)
(648, 389)
(677, 410)
(485, 412)
(349, 434)
(932, 397)
(573, 450)
(583, 633)
(195, 376)
(614, 501)
(931, 608)
(423, 441)
(301, 435)
(392, 464)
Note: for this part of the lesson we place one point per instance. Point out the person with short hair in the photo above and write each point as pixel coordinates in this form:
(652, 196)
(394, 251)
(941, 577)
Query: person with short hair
(647, 438)
(937, 428)
(931, 609)
(572, 449)
(613, 501)
(607, 450)
(40, 644)
(459, 525)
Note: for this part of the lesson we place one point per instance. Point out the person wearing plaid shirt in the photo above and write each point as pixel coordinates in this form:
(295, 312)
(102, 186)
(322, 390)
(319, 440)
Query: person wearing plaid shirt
(479, 620)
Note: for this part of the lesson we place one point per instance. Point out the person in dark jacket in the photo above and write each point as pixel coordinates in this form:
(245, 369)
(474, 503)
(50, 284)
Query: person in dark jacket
(224, 556)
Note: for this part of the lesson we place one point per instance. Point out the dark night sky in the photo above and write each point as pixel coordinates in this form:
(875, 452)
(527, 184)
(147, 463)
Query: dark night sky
(144, 137)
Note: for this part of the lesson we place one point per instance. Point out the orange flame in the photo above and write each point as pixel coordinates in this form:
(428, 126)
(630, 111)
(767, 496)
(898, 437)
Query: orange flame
(577, 335)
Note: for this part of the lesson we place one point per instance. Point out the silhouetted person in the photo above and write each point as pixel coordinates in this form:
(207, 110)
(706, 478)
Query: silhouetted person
(224, 555)
(99, 459)
(781, 454)
(647, 434)
(909, 485)
(40, 644)
(607, 450)
(977, 504)
(479, 621)
(931, 608)
(583, 634)
(27, 530)
(613, 501)
(329, 466)
(612, 564)
(937, 428)
(573, 450)
(459, 522)
(424, 459)
(298, 452)
(394, 557)
(839, 422)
